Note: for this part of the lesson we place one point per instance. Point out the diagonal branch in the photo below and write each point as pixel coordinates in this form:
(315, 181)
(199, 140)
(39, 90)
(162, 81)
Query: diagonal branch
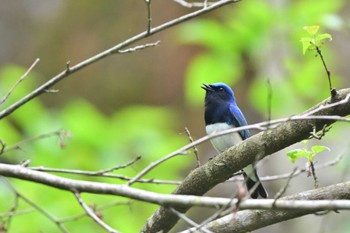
(115, 49)
(3, 99)
(219, 169)
(92, 215)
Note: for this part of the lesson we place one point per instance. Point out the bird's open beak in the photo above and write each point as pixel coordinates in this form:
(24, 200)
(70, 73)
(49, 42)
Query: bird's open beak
(207, 87)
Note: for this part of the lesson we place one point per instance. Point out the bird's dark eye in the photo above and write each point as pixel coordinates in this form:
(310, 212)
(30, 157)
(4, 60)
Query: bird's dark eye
(221, 89)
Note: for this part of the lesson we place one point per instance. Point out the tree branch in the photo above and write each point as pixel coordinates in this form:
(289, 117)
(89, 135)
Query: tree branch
(303, 203)
(338, 191)
(298, 205)
(115, 49)
(92, 215)
(219, 169)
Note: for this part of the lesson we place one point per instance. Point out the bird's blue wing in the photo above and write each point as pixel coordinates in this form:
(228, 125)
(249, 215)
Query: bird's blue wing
(238, 120)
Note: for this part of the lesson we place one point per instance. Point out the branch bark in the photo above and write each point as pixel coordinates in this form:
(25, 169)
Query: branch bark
(219, 169)
(250, 220)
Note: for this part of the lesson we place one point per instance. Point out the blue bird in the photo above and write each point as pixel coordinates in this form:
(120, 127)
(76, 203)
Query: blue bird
(222, 113)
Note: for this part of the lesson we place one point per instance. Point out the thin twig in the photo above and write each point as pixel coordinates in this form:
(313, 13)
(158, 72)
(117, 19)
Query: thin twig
(12, 210)
(293, 174)
(149, 16)
(99, 208)
(16, 213)
(332, 91)
(193, 4)
(224, 210)
(153, 165)
(61, 134)
(269, 99)
(92, 215)
(313, 173)
(3, 145)
(104, 171)
(139, 47)
(283, 190)
(107, 175)
(35, 206)
(189, 221)
(3, 99)
(195, 150)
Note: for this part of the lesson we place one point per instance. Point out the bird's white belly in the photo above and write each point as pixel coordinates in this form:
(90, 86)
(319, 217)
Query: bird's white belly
(224, 142)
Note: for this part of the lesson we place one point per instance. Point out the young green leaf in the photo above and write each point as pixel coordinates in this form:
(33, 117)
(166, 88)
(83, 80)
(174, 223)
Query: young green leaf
(324, 36)
(297, 153)
(309, 155)
(307, 42)
(317, 149)
(312, 30)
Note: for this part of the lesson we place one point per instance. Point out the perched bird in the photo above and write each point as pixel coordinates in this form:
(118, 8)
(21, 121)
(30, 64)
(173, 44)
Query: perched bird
(222, 113)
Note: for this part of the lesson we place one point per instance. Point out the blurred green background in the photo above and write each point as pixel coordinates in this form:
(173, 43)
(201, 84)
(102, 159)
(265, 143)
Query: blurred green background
(138, 104)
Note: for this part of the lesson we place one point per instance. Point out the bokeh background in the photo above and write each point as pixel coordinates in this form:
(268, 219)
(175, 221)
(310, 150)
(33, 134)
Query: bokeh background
(139, 103)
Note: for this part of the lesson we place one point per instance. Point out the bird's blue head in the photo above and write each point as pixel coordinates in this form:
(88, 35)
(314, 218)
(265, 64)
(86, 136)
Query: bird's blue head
(218, 93)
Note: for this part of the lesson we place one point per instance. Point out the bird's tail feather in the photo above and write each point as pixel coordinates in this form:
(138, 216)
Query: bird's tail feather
(255, 187)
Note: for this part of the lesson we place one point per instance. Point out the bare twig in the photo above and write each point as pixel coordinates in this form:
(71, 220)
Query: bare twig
(195, 150)
(293, 173)
(269, 99)
(193, 4)
(155, 164)
(332, 90)
(92, 215)
(149, 16)
(12, 210)
(319, 135)
(189, 221)
(15, 213)
(38, 208)
(99, 208)
(68, 67)
(313, 173)
(282, 191)
(3, 145)
(104, 171)
(108, 175)
(3, 99)
(61, 134)
(139, 47)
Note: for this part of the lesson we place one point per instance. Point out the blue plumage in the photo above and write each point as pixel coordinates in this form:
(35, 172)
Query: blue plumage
(222, 113)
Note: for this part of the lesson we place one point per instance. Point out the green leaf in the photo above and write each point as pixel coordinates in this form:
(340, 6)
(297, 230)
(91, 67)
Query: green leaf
(324, 36)
(312, 30)
(317, 149)
(307, 42)
(297, 153)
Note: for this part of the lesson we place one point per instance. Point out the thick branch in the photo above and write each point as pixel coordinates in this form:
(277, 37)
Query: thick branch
(219, 169)
(250, 220)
